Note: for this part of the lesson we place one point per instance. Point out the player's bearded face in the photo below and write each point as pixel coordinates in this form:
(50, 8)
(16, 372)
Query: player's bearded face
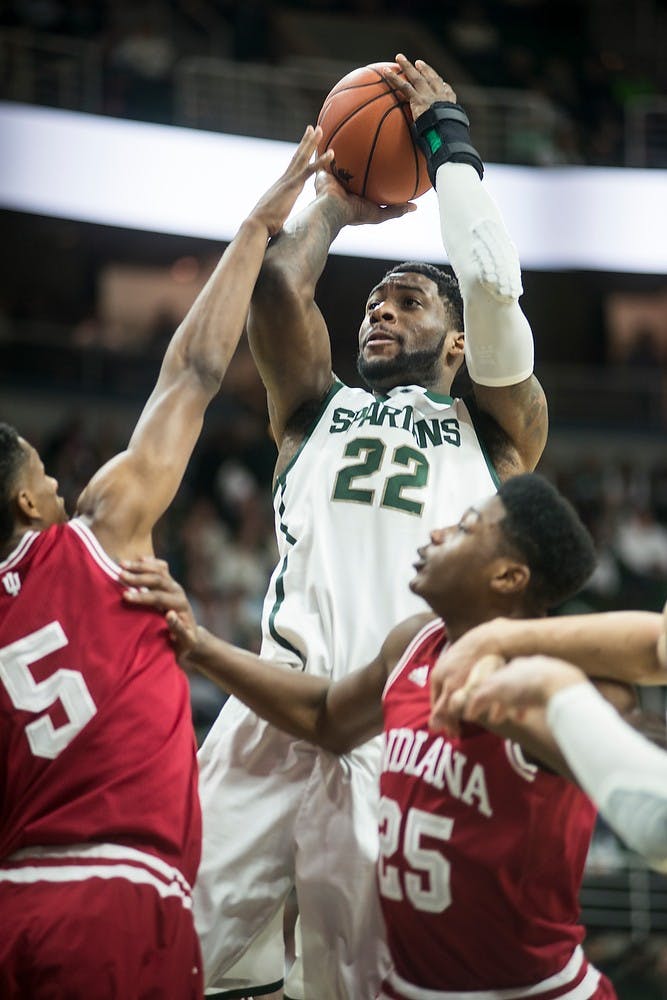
(406, 367)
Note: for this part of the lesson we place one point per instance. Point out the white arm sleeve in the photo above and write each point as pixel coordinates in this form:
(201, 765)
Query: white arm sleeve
(498, 338)
(624, 774)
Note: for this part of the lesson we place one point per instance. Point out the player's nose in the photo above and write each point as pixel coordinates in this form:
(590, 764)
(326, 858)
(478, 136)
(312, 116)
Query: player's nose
(382, 311)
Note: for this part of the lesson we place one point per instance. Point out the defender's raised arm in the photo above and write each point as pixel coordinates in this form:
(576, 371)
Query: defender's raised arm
(126, 497)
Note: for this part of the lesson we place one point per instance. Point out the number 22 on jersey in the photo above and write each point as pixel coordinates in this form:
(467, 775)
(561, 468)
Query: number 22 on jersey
(30, 695)
(371, 451)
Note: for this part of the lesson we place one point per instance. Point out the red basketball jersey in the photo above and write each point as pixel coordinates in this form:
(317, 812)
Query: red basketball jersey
(96, 738)
(481, 854)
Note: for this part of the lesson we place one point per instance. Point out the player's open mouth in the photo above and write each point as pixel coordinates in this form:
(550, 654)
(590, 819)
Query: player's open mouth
(379, 337)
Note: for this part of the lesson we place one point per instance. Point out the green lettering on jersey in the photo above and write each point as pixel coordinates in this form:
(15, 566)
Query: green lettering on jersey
(427, 432)
(342, 420)
(371, 452)
(451, 432)
(416, 478)
(370, 414)
(389, 413)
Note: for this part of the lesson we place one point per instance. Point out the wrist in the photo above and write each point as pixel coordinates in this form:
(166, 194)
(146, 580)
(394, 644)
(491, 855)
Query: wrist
(255, 225)
(442, 133)
(200, 652)
(498, 636)
(336, 210)
(567, 677)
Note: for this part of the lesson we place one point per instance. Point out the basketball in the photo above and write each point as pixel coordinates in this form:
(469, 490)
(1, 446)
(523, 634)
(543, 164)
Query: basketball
(367, 123)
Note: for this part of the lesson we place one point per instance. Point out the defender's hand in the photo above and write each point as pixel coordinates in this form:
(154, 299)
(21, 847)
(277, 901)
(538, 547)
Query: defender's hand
(527, 682)
(483, 669)
(421, 85)
(453, 668)
(151, 585)
(273, 207)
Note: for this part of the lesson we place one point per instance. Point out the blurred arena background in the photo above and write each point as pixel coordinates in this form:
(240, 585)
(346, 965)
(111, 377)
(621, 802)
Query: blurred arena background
(86, 308)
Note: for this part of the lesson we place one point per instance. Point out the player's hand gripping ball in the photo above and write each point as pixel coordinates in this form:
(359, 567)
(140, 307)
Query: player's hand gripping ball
(368, 123)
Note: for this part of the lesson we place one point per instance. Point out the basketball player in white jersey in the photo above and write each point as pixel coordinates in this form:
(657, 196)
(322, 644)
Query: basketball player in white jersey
(362, 476)
(482, 850)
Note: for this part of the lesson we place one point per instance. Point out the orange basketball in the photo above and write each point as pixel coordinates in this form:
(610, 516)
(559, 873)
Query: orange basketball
(367, 124)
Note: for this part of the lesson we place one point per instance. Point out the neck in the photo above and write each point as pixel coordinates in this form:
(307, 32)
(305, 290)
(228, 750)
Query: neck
(459, 624)
(13, 541)
(440, 386)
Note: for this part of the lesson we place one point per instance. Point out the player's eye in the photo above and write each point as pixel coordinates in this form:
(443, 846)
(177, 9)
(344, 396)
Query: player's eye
(411, 301)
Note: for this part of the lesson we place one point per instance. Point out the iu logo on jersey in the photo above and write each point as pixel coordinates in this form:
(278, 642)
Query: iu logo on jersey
(12, 583)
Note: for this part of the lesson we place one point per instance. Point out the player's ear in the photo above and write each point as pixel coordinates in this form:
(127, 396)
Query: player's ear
(455, 343)
(509, 577)
(26, 508)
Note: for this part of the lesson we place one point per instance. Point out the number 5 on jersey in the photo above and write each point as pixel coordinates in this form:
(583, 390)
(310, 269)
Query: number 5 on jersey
(37, 696)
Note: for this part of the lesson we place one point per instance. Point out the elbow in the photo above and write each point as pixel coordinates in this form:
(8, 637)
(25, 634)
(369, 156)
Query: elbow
(199, 366)
(333, 742)
(207, 371)
(275, 280)
(491, 265)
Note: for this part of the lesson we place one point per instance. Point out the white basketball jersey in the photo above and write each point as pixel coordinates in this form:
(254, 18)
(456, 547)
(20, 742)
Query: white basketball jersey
(373, 477)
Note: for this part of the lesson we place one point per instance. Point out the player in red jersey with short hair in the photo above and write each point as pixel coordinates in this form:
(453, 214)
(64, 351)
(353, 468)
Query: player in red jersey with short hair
(100, 826)
(483, 843)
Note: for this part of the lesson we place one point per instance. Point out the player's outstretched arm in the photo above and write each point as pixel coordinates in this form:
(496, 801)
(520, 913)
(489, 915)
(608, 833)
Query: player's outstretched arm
(498, 338)
(128, 495)
(617, 645)
(287, 332)
(335, 716)
(624, 774)
(512, 704)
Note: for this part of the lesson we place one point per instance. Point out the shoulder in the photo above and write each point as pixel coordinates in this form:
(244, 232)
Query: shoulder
(402, 635)
(303, 422)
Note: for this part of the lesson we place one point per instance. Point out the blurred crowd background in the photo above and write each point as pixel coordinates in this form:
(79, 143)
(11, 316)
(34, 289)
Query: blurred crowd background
(86, 311)
(584, 78)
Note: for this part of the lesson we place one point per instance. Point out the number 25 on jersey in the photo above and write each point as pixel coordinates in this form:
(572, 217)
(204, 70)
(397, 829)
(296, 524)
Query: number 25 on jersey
(427, 885)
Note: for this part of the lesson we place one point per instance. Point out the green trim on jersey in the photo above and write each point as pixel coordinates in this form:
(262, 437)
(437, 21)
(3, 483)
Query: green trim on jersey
(482, 447)
(280, 595)
(283, 527)
(336, 387)
(437, 398)
(433, 396)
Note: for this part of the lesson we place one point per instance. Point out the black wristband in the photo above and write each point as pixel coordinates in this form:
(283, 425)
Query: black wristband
(443, 135)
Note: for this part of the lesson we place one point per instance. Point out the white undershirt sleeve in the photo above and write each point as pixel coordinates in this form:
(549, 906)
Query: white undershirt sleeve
(498, 339)
(624, 774)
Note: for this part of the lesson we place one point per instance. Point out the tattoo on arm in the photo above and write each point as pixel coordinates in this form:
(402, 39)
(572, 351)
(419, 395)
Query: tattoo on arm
(512, 424)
